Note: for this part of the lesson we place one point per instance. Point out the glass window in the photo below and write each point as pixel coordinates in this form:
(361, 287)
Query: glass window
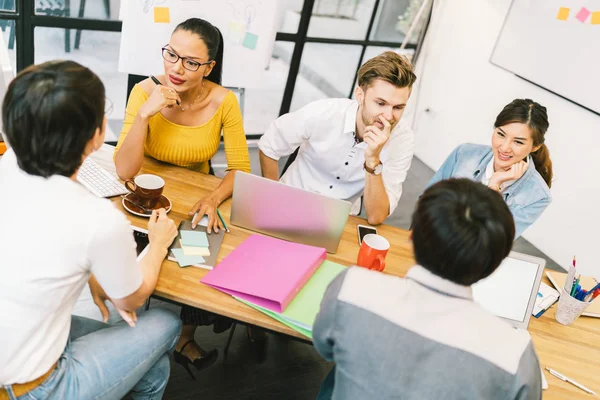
(8, 27)
(394, 18)
(99, 51)
(95, 9)
(341, 19)
(372, 51)
(290, 11)
(263, 100)
(326, 70)
(7, 5)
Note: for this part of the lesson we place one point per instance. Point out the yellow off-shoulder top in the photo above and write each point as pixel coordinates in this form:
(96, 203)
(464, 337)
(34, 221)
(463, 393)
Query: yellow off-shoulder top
(192, 146)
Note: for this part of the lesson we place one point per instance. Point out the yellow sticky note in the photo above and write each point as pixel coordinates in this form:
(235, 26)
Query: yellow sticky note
(596, 18)
(563, 13)
(161, 15)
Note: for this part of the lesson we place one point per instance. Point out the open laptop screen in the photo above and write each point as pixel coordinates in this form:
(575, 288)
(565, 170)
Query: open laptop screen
(511, 290)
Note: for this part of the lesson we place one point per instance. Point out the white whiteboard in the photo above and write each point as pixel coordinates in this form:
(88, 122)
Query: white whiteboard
(557, 51)
(249, 28)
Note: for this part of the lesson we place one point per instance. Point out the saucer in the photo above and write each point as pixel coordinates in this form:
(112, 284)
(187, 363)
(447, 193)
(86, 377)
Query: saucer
(163, 202)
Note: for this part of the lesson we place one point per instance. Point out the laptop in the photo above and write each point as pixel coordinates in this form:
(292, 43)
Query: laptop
(286, 212)
(510, 292)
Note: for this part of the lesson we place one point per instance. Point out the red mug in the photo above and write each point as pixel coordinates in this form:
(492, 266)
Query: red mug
(373, 250)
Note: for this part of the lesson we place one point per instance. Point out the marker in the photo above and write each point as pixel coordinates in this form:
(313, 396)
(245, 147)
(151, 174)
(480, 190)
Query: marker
(158, 83)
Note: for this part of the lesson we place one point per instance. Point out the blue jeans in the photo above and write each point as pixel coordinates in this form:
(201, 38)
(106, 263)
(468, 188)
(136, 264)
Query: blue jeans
(104, 361)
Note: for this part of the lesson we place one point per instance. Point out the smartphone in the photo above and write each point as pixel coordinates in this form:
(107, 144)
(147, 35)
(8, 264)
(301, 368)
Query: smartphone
(141, 241)
(364, 230)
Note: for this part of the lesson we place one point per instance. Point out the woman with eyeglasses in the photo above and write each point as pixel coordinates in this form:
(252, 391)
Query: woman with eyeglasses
(179, 121)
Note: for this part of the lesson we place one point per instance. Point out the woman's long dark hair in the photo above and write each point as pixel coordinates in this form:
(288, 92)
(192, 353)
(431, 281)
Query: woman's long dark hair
(211, 35)
(534, 115)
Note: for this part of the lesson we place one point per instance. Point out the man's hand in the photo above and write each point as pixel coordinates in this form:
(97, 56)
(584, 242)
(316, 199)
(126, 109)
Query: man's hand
(100, 298)
(376, 138)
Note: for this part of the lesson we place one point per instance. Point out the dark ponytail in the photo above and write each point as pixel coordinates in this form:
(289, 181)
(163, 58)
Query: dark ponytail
(212, 37)
(534, 115)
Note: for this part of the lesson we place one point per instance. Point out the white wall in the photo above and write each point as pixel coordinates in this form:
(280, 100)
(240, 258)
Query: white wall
(458, 97)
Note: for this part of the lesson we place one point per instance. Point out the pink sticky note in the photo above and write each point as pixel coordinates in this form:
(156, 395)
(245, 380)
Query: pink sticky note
(583, 14)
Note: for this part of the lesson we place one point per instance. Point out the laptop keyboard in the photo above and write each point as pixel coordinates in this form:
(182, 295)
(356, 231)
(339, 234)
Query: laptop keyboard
(98, 180)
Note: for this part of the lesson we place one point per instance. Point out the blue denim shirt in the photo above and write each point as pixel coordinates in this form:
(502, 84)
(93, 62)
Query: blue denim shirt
(526, 198)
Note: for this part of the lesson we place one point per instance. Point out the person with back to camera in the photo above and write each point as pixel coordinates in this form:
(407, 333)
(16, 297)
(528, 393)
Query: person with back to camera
(55, 236)
(423, 336)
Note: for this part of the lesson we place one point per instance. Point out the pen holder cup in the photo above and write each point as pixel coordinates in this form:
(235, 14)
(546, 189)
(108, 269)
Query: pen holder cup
(569, 308)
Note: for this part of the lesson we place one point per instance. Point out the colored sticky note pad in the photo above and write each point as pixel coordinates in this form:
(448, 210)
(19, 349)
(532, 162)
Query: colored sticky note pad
(162, 15)
(193, 238)
(185, 261)
(250, 41)
(195, 251)
(583, 14)
(235, 27)
(563, 13)
(596, 18)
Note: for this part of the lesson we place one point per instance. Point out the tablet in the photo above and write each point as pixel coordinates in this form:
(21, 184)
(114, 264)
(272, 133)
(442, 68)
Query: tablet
(510, 292)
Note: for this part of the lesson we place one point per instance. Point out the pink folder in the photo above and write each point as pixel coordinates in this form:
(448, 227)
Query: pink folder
(266, 271)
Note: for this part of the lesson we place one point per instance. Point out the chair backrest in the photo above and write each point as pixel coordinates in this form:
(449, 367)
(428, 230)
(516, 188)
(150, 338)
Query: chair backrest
(289, 161)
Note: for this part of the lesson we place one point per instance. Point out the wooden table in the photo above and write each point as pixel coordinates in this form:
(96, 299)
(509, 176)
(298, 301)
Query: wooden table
(573, 351)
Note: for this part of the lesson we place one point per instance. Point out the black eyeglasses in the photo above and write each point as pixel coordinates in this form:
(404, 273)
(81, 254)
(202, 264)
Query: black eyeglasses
(188, 63)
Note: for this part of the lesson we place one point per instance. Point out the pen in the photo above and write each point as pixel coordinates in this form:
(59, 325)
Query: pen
(575, 286)
(222, 220)
(158, 83)
(569, 380)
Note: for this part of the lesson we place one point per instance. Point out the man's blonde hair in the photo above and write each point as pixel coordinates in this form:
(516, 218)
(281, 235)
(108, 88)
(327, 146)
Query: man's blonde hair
(390, 67)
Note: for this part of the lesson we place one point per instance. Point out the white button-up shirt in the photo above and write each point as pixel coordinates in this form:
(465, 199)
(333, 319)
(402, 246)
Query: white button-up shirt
(329, 161)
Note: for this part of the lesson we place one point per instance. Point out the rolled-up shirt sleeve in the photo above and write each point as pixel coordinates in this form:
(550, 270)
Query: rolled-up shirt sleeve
(396, 164)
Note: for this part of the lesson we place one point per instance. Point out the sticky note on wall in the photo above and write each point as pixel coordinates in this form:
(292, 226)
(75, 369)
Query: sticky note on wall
(162, 15)
(563, 13)
(250, 41)
(596, 18)
(583, 14)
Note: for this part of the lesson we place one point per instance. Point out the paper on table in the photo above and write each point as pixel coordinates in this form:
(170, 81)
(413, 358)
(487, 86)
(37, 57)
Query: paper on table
(194, 251)
(300, 314)
(277, 317)
(194, 238)
(185, 261)
(303, 309)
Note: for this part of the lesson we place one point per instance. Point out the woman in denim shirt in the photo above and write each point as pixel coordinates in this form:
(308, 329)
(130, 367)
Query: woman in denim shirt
(517, 141)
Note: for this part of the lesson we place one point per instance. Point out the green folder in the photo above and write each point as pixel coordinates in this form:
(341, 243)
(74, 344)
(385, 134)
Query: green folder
(300, 314)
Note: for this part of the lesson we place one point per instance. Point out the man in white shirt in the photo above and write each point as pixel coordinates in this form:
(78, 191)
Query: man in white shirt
(348, 148)
(55, 236)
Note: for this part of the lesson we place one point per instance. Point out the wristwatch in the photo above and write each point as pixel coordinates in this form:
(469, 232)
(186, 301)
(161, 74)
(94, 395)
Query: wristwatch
(374, 171)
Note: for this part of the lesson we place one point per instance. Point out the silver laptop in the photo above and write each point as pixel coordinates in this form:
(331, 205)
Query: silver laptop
(510, 292)
(286, 212)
